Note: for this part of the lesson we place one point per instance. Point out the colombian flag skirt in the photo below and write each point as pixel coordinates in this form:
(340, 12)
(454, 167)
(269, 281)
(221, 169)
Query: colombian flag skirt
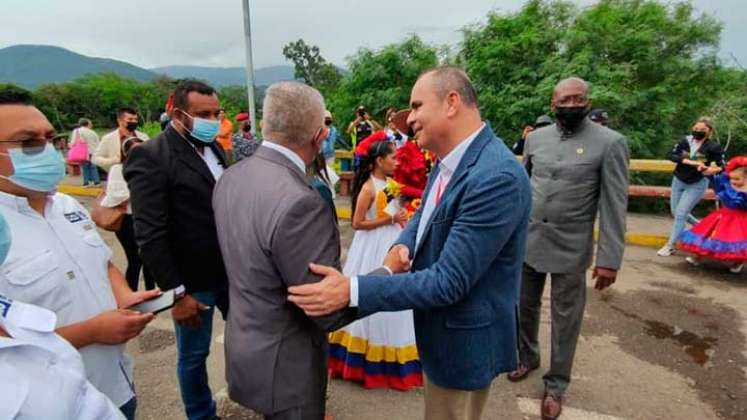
(354, 358)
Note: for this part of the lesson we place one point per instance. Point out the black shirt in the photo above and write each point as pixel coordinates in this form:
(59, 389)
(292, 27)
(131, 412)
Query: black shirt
(708, 153)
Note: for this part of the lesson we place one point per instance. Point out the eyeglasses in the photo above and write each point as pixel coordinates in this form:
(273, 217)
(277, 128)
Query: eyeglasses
(28, 146)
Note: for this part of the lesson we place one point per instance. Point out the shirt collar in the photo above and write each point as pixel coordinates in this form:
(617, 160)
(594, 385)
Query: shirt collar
(452, 160)
(19, 204)
(290, 154)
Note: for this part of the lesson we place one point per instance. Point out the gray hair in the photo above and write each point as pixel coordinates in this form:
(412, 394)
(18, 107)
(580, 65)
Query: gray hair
(84, 122)
(572, 81)
(453, 79)
(292, 113)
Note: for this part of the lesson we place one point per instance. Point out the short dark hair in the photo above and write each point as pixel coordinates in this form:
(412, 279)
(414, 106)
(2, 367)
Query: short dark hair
(14, 95)
(126, 110)
(184, 88)
(453, 78)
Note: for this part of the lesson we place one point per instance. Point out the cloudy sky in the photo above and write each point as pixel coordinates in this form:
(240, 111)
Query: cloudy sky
(152, 33)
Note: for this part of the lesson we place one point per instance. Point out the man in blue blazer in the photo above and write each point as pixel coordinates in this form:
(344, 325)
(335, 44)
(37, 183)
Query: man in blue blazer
(467, 243)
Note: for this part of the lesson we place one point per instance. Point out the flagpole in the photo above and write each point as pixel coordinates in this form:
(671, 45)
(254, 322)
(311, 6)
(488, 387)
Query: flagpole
(249, 66)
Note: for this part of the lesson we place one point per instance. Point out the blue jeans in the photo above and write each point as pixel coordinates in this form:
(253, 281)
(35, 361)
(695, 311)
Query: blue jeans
(129, 408)
(193, 345)
(90, 173)
(684, 199)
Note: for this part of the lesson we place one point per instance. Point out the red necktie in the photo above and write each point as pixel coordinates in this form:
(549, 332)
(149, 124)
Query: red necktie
(439, 188)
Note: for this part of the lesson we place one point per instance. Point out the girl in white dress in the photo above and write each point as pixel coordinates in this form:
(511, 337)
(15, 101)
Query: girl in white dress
(379, 350)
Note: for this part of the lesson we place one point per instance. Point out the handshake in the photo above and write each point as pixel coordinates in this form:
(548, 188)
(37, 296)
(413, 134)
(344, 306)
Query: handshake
(332, 293)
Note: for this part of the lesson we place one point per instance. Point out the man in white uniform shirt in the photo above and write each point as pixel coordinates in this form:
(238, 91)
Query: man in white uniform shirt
(57, 260)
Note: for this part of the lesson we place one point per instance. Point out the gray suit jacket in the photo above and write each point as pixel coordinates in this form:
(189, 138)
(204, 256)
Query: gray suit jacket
(271, 225)
(573, 176)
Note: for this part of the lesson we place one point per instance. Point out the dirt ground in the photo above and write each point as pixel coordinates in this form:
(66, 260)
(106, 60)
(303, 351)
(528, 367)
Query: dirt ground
(667, 341)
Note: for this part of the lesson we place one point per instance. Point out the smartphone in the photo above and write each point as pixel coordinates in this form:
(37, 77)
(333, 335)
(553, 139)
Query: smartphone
(156, 305)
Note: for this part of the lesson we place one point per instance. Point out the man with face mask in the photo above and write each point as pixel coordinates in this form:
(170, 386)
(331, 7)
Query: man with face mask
(108, 153)
(57, 260)
(171, 181)
(576, 168)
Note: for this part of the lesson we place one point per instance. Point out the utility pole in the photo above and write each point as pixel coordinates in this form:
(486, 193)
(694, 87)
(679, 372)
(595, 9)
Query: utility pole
(249, 66)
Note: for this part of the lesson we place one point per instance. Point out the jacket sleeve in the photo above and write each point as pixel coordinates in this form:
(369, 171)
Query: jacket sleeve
(679, 151)
(147, 179)
(104, 156)
(489, 214)
(613, 205)
(306, 233)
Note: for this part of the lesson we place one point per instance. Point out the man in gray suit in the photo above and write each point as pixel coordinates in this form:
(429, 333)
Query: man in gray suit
(271, 225)
(577, 168)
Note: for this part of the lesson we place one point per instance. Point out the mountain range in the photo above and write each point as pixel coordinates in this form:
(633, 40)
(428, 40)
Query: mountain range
(30, 66)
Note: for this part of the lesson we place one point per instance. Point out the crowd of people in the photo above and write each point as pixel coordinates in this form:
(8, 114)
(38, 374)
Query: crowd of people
(442, 285)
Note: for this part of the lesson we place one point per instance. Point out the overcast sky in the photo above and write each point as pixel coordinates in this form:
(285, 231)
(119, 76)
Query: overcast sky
(151, 33)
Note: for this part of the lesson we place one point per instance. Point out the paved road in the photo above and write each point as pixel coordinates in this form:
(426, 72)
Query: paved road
(668, 341)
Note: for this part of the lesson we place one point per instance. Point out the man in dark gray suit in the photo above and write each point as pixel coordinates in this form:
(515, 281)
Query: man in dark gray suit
(271, 225)
(577, 168)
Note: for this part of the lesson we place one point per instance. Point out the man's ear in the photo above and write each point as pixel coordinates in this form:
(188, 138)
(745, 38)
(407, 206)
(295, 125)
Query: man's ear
(453, 102)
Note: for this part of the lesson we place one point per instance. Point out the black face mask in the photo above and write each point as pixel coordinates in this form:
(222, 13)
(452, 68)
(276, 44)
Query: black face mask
(570, 117)
(699, 135)
(131, 126)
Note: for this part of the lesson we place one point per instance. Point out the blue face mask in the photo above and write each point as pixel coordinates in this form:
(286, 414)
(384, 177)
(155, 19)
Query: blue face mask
(40, 171)
(4, 239)
(202, 129)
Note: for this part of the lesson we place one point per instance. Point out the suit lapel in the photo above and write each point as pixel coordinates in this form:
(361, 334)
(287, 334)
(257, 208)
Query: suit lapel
(189, 156)
(468, 160)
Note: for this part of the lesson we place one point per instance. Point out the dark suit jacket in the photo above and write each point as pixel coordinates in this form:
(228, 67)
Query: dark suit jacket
(466, 270)
(271, 225)
(171, 191)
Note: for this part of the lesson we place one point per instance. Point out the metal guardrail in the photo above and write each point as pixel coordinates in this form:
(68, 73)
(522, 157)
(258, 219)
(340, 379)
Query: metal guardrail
(636, 165)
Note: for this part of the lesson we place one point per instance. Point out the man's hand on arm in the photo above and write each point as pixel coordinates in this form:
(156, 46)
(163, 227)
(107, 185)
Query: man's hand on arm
(330, 294)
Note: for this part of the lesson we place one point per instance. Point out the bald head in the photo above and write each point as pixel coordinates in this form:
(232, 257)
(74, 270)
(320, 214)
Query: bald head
(575, 84)
(447, 79)
(293, 113)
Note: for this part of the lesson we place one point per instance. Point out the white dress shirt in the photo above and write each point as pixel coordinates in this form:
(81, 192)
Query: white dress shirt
(447, 167)
(59, 262)
(290, 154)
(41, 374)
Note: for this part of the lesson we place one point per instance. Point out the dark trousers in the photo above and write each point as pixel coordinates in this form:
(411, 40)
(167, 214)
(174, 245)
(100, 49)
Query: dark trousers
(313, 411)
(567, 301)
(126, 236)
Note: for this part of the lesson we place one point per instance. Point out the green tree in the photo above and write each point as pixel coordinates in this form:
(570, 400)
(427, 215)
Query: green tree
(310, 67)
(380, 79)
(651, 65)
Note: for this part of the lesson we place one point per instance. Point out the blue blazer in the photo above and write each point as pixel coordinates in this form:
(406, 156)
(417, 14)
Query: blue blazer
(466, 273)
